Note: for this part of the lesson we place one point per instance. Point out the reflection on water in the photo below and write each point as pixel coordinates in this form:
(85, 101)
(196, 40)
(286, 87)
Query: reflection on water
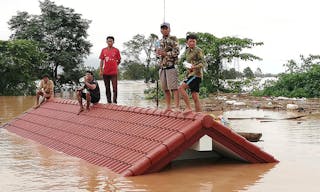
(28, 166)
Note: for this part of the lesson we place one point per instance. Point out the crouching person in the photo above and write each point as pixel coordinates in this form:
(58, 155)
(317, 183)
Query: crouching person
(90, 92)
(45, 91)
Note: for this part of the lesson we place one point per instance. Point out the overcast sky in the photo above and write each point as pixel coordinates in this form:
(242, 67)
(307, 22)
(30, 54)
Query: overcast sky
(288, 28)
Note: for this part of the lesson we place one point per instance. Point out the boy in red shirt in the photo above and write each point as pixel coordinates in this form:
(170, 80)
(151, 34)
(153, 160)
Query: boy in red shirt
(109, 60)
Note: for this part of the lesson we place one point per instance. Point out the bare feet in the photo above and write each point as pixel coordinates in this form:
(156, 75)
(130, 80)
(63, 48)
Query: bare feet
(166, 111)
(187, 111)
(36, 106)
(80, 110)
(176, 110)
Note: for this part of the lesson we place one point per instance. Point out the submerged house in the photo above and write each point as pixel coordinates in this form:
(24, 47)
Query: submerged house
(132, 140)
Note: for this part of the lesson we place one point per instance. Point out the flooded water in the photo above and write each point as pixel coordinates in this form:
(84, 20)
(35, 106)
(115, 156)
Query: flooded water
(29, 166)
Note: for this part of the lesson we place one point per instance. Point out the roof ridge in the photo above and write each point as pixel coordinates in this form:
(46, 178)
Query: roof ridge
(134, 109)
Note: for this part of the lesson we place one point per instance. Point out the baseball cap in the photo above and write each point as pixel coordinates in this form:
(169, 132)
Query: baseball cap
(165, 24)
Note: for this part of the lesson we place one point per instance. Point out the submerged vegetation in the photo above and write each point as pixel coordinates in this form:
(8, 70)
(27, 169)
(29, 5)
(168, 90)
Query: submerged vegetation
(300, 80)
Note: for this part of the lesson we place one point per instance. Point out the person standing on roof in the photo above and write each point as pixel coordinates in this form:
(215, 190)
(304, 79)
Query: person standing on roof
(109, 60)
(194, 62)
(168, 74)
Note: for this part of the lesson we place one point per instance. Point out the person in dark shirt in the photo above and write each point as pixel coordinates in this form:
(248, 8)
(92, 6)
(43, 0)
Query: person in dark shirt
(90, 92)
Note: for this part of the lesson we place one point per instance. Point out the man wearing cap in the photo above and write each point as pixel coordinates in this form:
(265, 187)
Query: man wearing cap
(168, 74)
(45, 90)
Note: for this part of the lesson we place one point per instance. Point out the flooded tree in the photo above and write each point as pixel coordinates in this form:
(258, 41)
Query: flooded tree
(258, 72)
(302, 79)
(305, 64)
(247, 72)
(141, 50)
(132, 70)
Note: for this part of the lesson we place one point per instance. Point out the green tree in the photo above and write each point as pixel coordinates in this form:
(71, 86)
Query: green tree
(218, 49)
(72, 76)
(247, 72)
(258, 72)
(301, 80)
(304, 65)
(20, 64)
(60, 32)
(231, 74)
(133, 71)
(141, 50)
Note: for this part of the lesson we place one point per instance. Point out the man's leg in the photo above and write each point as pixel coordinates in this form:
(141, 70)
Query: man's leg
(171, 78)
(88, 99)
(114, 80)
(38, 94)
(167, 96)
(195, 88)
(106, 80)
(195, 97)
(48, 96)
(45, 97)
(79, 97)
(185, 97)
(37, 97)
(176, 99)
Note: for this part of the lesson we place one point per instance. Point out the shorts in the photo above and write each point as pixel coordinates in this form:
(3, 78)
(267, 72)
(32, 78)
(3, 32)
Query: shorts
(169, 79)
(94, 98)
(193, 83)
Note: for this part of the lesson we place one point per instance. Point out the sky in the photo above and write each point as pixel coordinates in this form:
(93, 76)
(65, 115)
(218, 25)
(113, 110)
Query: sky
(288, 28)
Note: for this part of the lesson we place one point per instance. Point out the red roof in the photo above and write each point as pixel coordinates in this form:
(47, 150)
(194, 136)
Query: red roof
(128, 140)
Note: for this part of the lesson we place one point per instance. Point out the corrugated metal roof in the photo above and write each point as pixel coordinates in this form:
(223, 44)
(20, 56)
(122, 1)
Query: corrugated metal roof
(128, 140)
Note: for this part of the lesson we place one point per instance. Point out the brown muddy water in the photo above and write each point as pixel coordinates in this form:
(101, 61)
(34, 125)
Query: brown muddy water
(29, 166)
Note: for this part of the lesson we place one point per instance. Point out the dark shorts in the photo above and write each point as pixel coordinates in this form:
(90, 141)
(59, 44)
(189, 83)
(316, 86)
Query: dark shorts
(94, 98)
(193, 83)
